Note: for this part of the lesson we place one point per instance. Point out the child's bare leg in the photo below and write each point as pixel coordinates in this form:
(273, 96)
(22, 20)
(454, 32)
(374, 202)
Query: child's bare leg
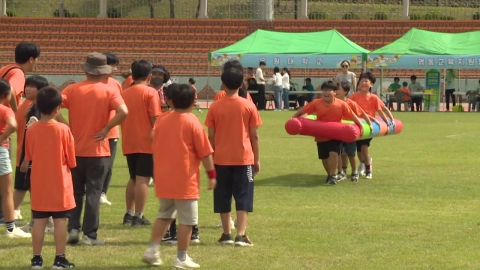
(242, 218)
(130, 196)
(60, 235)
(38, 234)
(325, 165)
(225, 217)
(183, 238)
(7, 198)
(339, 166)
(365, 156)
(332, 163)
(159, 229)
(141, 192)
(353, 164)
(344, 162)
(18, 197)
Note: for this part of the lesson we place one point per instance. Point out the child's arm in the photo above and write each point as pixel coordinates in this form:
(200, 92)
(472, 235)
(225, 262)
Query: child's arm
(367, 119)
(120, 115)
(358, 123)
(299, 113)
(211, 137)
(210, 168)
(254, 140)
(11, 128)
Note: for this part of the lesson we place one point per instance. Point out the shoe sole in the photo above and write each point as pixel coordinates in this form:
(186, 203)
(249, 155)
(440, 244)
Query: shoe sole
(228, 242)
(105, 203)
(242, 244)
(195, 241)
(37, 267)
(170, 242)
(153, 264)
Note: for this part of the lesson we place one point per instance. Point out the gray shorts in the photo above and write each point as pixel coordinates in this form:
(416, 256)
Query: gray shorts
(5, 162)
(349, 148)
(187, 210)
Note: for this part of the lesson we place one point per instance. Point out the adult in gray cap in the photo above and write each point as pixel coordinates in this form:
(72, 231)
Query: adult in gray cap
(89, 104)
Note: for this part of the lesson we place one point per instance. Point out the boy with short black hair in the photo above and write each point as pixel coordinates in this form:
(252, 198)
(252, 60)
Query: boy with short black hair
(178, 187)
(233, 124)
(329, 109)
(371, 104)
(348, 150)
(50, 148)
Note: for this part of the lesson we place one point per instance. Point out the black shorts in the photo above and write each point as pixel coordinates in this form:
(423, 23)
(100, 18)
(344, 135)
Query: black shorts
(140, 165)
(360, 143)
(236, 181)
(22, 180)
(324, 148)
(54, 215)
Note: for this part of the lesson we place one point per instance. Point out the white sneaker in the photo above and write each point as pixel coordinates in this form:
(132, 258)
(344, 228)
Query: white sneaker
(232, 224)
(187, 264)
(152, 257)
(26, 228)
(104, 200)
(17, 233)
(18, 215)
(361, 168)
(150, 183)
(371, 167)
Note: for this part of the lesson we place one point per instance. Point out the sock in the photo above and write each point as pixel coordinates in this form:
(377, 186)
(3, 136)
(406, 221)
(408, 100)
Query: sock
(154, 246)
(10, 226)
(367, 168)
(182, 255)
(339, 172)
(139, 215)
(59, 256)
(37, 256)
(131, 212)
(344, 169)
(354, 171)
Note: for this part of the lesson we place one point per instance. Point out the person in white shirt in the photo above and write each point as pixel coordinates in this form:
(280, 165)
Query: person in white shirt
(450, 82)
(346, 75)
(277, 88)
(286, 88)
(260, 100)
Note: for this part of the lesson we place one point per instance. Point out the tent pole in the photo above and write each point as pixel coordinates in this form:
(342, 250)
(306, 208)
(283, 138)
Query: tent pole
(444, 86)
(208, 83)
(381, 82)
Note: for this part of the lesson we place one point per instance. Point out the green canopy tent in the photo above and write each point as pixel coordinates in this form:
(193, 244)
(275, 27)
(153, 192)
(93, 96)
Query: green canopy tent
(324, 49)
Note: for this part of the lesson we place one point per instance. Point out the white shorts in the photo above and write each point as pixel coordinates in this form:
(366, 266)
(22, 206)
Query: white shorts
(5, 162)
(187, 210)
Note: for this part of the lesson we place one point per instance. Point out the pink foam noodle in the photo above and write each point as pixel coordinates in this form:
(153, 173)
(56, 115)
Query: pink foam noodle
(328, 130)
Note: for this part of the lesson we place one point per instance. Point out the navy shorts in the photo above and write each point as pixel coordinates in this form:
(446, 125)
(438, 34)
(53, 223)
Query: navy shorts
(350, 149)
(140, 165)
(324, 148)
(236, 181)
(360, 143)
(54, 215)
(22, 180)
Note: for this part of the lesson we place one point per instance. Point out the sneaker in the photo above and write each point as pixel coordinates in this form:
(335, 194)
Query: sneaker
(232, 224)
(18, 215)
(152, 257)
(87, 241)
(243, 241)
(26, 228)
(127, 219)
(187, 264)
(104, 200)
(226, 239)
(37, 262)
(361, 168)
(150, 183)
(169, 239)
(341, 176)
(136, 221)
(354, 177)
(195, 239)
(368, 175)
(73, 237)
(17, 233)
(62, 263)
(332, 180)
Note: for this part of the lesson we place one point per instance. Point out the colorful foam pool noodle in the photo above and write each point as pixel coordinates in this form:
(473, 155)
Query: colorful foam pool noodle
(332, 131)
(318, 129)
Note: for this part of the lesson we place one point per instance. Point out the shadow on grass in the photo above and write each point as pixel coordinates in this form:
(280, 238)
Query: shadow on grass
(294, 180)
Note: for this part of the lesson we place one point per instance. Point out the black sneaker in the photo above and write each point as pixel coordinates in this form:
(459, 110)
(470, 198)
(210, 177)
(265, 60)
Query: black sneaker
(226, 239)
(195, 239)
(127, 219)
(62, 263)
(332, 180)
(136, 221)
(354, 177)
(37, 262)
(170, 239)
(243, 241)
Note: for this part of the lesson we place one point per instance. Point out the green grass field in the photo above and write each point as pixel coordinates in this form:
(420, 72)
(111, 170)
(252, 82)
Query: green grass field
(420, 210)
(236, 9)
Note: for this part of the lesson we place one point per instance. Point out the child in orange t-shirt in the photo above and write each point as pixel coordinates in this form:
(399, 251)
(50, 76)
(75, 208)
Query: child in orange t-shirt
(8, 125)
(233, 123)
(50, 148)
(191, 82)
(371, 104)
(182, 136)
(329, 109)
(405, 90)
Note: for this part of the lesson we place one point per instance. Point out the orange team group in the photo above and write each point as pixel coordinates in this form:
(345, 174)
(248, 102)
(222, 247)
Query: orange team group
(64, 164)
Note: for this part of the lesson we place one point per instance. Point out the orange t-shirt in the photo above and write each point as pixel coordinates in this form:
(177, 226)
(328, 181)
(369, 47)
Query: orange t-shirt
(407, 92)
(21, 123)
(369, 103)
(334, 112)
(143, 103)
(89, 105)
(16, 79)
(354, 107)
(114, 132)
(127, 82)
(51, 150)
(232, 118)
(5, 113)
(222, 94)
(179, 144)
(160, 117)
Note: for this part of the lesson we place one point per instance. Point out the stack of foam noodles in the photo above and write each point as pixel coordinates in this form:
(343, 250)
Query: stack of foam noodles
(346, 131)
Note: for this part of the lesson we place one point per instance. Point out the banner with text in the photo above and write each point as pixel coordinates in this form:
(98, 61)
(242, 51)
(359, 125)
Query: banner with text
(432, 86)
(424, 61)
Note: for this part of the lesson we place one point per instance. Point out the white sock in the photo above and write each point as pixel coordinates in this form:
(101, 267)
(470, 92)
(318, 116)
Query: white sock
(131, 212)
(139, 215)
